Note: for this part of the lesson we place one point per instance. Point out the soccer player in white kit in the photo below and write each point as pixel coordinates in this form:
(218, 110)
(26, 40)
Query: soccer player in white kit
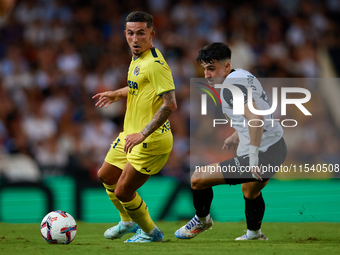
(259, 144)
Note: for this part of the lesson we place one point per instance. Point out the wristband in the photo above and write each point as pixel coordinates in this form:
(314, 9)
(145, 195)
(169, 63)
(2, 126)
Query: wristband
(254, 150)
(254, 158)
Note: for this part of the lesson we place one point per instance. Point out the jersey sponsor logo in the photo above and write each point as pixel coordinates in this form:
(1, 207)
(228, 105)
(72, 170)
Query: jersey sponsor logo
(132, 84)
(136, 71)
(133, 87)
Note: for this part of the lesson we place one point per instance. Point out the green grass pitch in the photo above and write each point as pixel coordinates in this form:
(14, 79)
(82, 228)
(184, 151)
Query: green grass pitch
(284, 238)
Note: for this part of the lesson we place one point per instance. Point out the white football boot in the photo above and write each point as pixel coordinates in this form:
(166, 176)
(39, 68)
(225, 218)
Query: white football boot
(261, 236)
(156, 235)
(193, 228)
(119, 230)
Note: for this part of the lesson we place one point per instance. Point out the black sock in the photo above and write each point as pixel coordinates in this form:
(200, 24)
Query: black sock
(202, 201)
(254, 212)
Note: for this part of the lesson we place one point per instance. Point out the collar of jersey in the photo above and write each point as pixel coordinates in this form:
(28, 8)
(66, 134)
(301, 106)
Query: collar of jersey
(142, 54)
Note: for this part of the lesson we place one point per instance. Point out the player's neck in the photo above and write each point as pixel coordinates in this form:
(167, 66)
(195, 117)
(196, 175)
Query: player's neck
(137, 56)
(230, 71)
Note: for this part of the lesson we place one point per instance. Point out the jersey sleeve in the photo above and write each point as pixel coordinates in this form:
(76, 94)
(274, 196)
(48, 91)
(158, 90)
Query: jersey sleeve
(228, 96)
(160, 76)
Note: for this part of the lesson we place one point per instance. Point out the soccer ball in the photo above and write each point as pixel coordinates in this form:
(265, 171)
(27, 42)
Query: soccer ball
(58, 227)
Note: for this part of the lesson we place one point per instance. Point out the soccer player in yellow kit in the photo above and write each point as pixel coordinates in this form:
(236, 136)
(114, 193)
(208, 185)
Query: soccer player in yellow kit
(143, 148)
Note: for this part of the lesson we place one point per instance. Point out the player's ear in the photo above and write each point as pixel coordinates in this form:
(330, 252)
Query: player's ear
(227, 65)
(153, 33)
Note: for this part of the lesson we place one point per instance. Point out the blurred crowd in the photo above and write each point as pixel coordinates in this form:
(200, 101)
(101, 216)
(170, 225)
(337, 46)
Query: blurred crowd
(56, 54)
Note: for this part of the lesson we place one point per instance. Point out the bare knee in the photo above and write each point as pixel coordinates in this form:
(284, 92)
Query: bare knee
(198, 184)
(109, 177)
(102, 176)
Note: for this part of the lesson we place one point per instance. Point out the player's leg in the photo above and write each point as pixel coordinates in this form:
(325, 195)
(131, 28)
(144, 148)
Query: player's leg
(109, 176)
(254, 210)
(137, 171)
(254, 203)
(109, 173)
(127, 185)
(202, 182)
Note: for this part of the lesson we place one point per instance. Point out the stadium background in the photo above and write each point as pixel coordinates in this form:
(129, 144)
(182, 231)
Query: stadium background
(55, 54)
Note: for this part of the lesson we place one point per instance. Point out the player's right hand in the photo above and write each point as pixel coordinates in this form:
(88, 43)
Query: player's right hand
(254, 162)
(230, 143)
(107, 98)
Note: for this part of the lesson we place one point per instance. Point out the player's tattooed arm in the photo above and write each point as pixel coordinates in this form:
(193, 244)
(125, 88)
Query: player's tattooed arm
(169, 106)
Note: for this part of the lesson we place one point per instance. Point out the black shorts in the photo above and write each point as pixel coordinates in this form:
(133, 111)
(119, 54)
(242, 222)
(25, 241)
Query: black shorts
(236, 170)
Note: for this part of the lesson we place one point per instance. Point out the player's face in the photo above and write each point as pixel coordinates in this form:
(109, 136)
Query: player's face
(139, 37)
(216, 72)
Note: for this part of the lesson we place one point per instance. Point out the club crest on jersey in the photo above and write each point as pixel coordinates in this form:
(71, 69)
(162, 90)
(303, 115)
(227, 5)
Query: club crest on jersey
(136, 71)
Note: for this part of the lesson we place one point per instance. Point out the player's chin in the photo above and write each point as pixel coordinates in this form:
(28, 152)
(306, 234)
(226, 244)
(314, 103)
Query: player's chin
(211, 83)
(136, 52)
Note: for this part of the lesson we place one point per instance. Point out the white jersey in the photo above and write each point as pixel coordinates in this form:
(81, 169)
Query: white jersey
(272, 130)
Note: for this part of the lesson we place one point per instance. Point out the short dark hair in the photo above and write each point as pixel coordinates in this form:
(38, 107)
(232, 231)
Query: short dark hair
(213, 52)
(139, 16)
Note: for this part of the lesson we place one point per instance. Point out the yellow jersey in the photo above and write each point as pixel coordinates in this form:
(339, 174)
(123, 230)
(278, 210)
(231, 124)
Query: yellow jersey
(149, 77)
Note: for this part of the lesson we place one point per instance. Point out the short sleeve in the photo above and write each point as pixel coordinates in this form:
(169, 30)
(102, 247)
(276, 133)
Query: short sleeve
(159, 75)
(228, 96)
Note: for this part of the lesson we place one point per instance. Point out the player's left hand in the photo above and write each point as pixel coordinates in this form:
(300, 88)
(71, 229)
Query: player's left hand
(132, 140)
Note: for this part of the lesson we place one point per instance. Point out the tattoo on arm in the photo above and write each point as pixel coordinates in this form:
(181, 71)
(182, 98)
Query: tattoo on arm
(162, 114)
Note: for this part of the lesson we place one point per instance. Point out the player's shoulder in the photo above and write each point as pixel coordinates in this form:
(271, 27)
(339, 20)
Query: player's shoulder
(156, 61)
(240, 73)
(153, 55)
(240, 77)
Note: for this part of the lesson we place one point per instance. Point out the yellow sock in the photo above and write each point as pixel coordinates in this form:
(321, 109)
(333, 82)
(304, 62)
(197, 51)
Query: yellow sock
(139, 213)
(124, 216)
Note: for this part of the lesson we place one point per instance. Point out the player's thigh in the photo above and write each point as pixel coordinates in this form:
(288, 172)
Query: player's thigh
(207, 176)
(251, 190)
(137, 171)
(129, 182)
(114, 162)
(146, 163)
